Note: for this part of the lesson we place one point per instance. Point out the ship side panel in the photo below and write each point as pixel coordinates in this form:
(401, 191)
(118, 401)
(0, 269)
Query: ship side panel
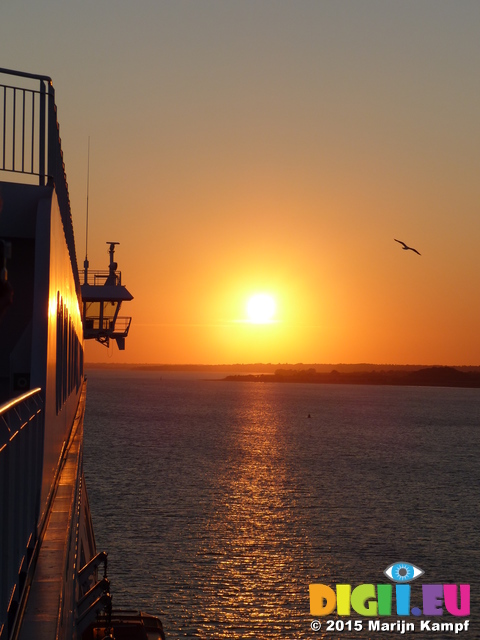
(19, 204)
(57, 355)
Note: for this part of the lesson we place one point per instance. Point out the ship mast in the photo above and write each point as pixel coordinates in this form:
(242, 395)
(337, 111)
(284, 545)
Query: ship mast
(86, 263)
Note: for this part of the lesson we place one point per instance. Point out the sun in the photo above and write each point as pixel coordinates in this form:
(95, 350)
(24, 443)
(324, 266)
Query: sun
(261, 308)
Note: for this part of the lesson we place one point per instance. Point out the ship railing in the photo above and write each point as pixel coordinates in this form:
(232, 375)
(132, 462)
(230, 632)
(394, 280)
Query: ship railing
(99, 277)
(21, 456)
(93, 325)
(30, 143)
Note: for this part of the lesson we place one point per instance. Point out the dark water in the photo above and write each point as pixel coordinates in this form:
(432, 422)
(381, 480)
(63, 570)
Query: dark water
(219, 503)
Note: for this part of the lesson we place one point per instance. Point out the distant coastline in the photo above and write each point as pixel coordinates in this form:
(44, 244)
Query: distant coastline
(259, 367)
(362, 373)
(439, 376)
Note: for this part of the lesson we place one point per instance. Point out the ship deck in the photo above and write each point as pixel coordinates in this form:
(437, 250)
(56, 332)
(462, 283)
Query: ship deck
(46, 597)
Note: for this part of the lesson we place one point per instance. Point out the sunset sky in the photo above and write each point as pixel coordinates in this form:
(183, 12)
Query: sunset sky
(278, 147)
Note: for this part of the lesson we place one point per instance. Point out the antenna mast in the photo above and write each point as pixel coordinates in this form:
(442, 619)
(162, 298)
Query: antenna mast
(86, 264)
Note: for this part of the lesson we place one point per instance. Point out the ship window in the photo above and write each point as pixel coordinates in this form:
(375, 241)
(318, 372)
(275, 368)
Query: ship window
(58, 373)
(65, 354)
(92, 315)
(109, 309)
(69, 368)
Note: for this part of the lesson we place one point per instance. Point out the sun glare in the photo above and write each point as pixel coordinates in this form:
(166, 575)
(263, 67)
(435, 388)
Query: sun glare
(261, 308)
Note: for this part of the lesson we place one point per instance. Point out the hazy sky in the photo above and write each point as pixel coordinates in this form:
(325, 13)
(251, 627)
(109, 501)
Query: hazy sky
(242, 146)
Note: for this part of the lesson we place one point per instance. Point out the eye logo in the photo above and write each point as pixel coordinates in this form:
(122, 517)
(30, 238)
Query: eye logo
(403, 572)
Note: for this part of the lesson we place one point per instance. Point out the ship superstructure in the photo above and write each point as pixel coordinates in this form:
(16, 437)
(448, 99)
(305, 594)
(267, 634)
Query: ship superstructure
(103, 294)
(53, 584)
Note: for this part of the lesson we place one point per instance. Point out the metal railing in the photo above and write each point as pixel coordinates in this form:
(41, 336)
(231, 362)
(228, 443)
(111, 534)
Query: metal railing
(110, 326)
(30, 143)
(99, 277)
(23, 113)
(21, 456)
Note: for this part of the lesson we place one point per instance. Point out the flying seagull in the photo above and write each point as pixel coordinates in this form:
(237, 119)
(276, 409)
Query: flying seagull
(406, 247)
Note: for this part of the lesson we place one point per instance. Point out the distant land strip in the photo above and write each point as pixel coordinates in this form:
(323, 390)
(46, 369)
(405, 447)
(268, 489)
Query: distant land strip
(260, 367)
(428, 377)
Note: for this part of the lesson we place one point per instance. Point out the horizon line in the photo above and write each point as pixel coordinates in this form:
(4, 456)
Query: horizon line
(275, 364)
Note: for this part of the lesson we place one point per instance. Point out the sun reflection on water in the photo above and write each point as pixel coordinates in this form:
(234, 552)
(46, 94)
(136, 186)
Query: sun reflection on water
(251, 536)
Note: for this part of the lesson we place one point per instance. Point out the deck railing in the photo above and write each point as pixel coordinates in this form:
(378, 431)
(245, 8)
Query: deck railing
(21, 455)
(95, 324)
(99, 277)
(30, 143)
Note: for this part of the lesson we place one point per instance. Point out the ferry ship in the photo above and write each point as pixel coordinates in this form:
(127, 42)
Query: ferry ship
(53, 580)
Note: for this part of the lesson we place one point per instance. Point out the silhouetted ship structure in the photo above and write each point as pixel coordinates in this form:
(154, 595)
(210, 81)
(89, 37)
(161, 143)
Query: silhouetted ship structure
(427, 377)
(50, 587)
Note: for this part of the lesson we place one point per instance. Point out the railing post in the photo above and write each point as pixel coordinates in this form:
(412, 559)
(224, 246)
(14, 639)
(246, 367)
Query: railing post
(52, 136)
(14, 123)
(4, 126)
(41, 136)
(4, 524)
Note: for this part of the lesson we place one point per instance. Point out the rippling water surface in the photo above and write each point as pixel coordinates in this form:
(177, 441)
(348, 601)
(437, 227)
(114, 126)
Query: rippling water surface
(219, 503)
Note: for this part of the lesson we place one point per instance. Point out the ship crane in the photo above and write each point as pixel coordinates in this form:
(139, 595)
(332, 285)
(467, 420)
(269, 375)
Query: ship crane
(102, 295)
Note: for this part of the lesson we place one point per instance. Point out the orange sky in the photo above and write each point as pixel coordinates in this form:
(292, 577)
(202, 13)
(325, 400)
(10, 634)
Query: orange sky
(273, 146)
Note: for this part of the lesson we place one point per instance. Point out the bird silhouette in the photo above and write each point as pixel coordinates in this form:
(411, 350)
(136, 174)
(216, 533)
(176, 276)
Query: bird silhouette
(406, 247)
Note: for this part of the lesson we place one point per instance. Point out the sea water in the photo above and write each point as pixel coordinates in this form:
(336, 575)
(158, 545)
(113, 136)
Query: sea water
(220, 502)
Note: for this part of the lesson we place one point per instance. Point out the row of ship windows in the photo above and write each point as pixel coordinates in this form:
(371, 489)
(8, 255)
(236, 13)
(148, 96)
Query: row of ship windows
(69, 355)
